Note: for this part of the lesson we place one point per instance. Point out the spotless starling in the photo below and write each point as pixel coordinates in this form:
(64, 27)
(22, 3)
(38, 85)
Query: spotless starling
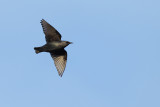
(55, 46)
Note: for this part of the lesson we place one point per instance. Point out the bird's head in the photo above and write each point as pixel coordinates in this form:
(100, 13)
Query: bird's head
(67, 42)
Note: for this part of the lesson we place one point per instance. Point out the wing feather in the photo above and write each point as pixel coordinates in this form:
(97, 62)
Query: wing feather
(51, 34)
(60, 60)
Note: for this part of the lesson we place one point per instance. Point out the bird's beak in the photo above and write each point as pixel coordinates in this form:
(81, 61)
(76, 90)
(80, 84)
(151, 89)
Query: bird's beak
(71, 42)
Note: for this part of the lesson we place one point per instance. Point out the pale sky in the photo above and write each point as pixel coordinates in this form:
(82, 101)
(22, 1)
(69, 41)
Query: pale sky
(114, 61)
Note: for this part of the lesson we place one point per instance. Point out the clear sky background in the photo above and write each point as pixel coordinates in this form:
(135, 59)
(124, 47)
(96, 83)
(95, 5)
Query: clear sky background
(114, 61)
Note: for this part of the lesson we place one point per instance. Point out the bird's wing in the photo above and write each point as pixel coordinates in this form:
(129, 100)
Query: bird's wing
(60, 59)
(51, 34)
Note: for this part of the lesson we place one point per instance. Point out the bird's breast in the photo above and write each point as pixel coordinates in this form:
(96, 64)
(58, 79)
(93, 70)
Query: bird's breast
(56, 45)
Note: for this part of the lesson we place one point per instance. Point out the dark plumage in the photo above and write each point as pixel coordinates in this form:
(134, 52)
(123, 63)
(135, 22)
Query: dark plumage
(54, 46)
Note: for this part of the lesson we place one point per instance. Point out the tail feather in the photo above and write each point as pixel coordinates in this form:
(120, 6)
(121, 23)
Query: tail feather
(37, 49)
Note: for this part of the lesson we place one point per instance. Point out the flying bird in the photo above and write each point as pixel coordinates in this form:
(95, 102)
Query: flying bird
(55, 46)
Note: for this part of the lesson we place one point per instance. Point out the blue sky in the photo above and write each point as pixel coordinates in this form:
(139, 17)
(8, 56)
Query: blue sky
(114, 61)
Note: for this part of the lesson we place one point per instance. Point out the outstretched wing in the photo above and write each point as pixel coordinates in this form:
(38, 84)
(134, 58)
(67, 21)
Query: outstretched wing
(51, 34)
(60, 59)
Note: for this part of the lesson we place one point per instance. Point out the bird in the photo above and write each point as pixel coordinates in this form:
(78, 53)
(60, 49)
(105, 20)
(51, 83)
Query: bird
(55, 46)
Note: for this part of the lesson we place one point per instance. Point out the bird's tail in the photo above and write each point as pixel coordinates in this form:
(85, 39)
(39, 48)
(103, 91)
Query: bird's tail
(37, 49)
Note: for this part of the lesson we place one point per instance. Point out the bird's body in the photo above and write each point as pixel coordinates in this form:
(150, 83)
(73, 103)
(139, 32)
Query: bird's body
(54, 46)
